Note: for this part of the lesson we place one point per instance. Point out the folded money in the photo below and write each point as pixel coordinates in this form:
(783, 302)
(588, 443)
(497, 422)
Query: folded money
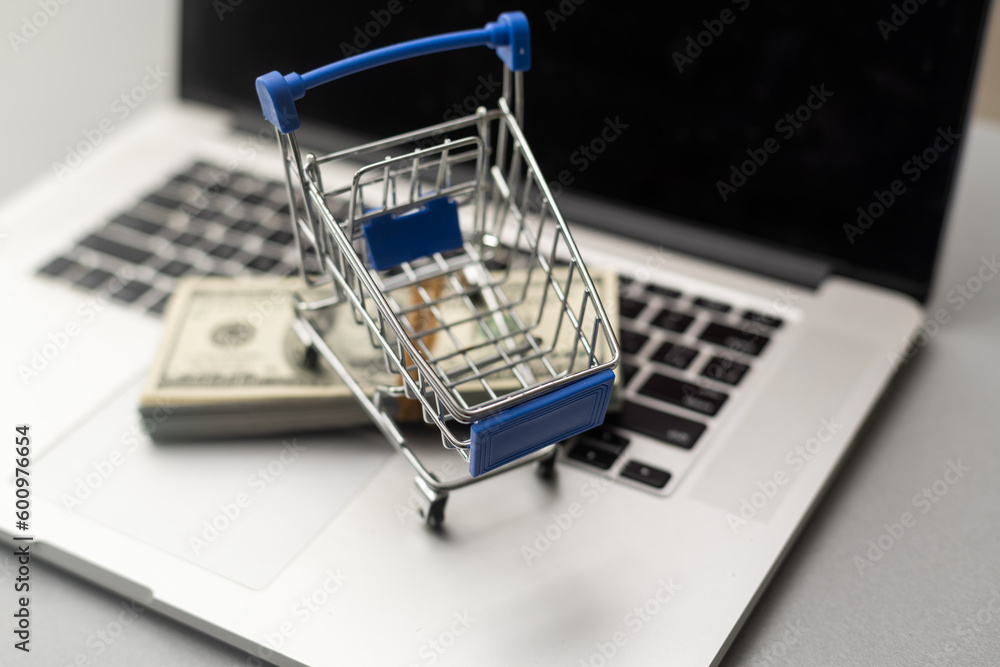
(229, 364)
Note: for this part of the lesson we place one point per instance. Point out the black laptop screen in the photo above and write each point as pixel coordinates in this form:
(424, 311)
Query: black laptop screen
(828, 129)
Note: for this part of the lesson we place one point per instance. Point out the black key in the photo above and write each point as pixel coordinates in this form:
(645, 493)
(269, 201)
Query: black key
(254, 199)
(725, 370)
(630, 307)
(163, 200)
(281, 237)
(761, 318)
(244, 226)
(138, 224)
(675, 355)
(598, 448)
(183, 179)
(57, 266)
(641, 472)
(631, 341)
(628, 372)
(747, 342)
(158, 307)
(262, 263)
(116, 249)
(709, 304)
(660, 425)
(209, 215)
(175, 268)
(223, 251)
(93, 278)
(673, 321)
(664, 291)
(684, 394)
(131, 291)
(186, 239)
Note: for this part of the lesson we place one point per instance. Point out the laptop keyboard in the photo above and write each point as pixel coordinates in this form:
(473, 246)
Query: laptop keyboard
(203, 221)
(683, 354)
(683, 357)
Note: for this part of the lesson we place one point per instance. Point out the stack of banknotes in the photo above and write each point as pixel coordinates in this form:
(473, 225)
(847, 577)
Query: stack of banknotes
(229, 363)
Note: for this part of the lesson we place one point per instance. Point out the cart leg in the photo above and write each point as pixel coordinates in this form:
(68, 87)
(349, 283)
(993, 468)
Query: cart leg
(431, 504)
(547, 465)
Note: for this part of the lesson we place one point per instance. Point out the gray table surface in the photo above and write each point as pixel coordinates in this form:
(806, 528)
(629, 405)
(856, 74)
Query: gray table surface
(932, 597)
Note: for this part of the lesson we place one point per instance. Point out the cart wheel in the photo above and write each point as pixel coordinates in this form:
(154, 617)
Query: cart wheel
(547, 465)
(434, 514)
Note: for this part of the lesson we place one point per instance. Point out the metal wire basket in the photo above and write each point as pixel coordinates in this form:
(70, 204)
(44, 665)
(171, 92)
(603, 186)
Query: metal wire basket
(448, 247)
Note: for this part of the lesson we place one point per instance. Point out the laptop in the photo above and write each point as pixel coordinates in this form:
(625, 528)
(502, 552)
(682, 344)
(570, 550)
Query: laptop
(770, 183)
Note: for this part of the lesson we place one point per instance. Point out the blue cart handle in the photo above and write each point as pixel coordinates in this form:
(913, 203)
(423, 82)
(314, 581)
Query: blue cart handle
(509, 35)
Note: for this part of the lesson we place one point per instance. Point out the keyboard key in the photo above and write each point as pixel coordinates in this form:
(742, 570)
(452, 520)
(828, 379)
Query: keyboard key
(660, 425)
(57, 267)
(761, 318)
(746, 342)
(162, 200)
(244, 226)
(684, 394)
(116, 249)
(158, 307)
(675, 355)
(628, 372)
(598, 448)
(630, 307)
(262, 263)
(131, 291)
(663, 291)
(673, 321)
(186, 239)
(725, 370)
(641, 472)
(631, 341)
(281, 237)
(710, 304)
(93, 278)
(223, 251)
(138, 224)
(254, 199)
(175, 269)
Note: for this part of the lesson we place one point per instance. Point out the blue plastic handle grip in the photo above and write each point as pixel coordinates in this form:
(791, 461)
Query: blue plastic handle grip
(509, 36)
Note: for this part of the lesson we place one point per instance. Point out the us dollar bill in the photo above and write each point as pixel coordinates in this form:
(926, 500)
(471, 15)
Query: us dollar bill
(229, 363)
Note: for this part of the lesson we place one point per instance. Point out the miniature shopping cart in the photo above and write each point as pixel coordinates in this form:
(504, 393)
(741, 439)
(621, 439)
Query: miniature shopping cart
(447, 246)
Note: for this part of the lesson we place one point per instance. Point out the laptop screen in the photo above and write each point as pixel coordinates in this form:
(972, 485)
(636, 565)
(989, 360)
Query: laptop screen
(830, 130)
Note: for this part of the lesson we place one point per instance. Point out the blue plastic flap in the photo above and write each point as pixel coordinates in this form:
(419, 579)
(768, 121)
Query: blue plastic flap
(542, 421)
(394, 239)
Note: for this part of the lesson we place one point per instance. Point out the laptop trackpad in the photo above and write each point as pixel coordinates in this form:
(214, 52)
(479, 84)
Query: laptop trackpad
(241, 509)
